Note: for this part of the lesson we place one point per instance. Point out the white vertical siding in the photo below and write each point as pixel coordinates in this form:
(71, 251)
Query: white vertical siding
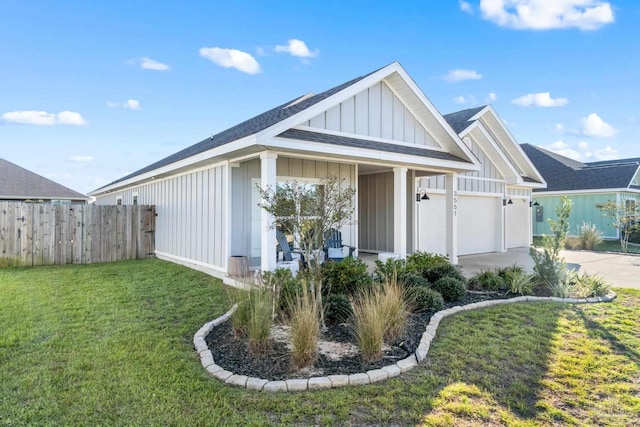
(375, 112)
(191, 214)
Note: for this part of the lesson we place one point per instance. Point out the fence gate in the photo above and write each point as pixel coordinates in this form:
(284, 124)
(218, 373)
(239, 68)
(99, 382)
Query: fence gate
(45, 234)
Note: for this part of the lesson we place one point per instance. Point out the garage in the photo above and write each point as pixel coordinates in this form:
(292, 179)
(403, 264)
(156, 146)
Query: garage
(479, 224)
(518, 225)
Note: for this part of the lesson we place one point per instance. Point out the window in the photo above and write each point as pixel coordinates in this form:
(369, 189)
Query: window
(135, 198)
(303, 198)
(119, 200)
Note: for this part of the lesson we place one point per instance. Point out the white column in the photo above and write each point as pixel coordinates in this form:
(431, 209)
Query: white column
(451, 183)
(268, 240)
(400, 211)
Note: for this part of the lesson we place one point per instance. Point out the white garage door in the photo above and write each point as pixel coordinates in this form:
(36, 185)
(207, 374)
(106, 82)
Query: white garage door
(518, 227)
(432, 225)
(478, 224)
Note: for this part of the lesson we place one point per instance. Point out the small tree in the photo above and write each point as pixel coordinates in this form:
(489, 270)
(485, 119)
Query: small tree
(549, 267)
(623, 217)
(309, 213)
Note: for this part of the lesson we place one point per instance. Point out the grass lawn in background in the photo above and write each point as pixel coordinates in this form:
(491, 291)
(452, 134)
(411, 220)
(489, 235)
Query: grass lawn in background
(111, 344)
(605, 246)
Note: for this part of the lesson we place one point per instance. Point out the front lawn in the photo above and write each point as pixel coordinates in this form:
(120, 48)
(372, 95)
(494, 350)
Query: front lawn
(111, 344)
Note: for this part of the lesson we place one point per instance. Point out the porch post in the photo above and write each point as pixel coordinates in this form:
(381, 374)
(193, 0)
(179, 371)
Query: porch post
(400, 211)
(451, 185)
(268, 235)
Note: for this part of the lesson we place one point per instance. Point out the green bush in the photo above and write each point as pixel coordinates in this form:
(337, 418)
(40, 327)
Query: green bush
(391, 269)
(487, 280)
(413, 280)
(444, 270)
(419, 262)
(345, 277)
(426, 299)
(337, 309)
(585, 286)
(519, 282)
(450, 288)
(252, 319)
(285, 286)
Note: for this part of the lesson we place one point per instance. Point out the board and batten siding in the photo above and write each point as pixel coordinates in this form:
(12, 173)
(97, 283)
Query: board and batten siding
(362, 115)
(191, 213)
(583, 210)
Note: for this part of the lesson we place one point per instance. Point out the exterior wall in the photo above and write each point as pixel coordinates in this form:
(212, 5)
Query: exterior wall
(375, 207)
(191, 221)
(361, 115)
(584, 209)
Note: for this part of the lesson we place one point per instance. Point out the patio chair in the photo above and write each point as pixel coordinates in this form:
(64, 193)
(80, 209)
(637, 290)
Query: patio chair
(333, 249)
(289, 257)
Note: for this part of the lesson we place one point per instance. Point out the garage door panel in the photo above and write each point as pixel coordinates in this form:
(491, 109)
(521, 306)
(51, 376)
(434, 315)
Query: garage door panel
(518, 227)
(478, 224)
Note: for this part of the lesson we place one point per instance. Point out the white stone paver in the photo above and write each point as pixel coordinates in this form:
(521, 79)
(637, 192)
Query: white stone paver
(375, 375)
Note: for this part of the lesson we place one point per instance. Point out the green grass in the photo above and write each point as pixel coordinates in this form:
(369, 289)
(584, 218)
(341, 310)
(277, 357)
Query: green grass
(604, 246)
(110, 344)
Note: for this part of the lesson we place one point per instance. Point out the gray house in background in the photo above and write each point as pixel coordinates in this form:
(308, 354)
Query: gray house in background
(382, 136)
(20, 184)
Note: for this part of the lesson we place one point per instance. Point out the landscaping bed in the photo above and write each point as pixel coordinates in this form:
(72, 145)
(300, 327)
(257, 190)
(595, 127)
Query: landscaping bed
(335, 357)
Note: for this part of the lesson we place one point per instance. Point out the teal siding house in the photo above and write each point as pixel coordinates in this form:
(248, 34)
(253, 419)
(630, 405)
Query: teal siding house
(586, 184)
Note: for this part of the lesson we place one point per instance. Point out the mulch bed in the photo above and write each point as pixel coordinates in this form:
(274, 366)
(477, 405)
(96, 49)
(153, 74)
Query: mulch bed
(232, 353)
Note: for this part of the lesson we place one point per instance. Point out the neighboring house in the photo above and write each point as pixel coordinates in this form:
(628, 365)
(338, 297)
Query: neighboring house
(19, 184)
(378, 132)
(586, 184)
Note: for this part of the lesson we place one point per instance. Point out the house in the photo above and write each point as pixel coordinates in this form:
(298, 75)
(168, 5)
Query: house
(586, 184)
(379, 133)
(19, 184)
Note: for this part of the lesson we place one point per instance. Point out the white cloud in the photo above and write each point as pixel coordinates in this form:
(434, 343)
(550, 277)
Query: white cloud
(594, 126)
(548, 14)
(460, 100)
(43, 118)
(459, 75)
(541, 99)
(491, 97)
(559, 127)
(583, 145)
(607, 153)
(130, 104)
(563, 149)
(81, 158)
(465, 7)
(151, 64)
(231, 58)
(298, 48)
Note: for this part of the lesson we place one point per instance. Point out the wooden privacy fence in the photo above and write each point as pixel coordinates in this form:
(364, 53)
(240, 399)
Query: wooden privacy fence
(44, 234)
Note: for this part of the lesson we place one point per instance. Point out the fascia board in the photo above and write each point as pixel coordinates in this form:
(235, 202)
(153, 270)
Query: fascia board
(579, 192)
(633, 178)
(205, 155)
(496, 154)
(514, 144)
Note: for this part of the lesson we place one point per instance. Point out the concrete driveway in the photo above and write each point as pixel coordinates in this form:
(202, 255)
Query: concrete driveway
(621, 271)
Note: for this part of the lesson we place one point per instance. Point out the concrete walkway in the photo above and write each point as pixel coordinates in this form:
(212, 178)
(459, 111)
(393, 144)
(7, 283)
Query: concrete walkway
(620, 270)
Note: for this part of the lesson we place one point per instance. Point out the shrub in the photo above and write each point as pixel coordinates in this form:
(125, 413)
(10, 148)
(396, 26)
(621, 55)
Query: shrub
(412, 280)
(337, 309)
(305, 330)
(549, 267)
(345, 277)
(519, 282)
(572, 243)
(368, 324)
(586, 286)
(450, 288)
(426, 299)
(589, 236)
(418, 262)
(444, 270)
(252, 319)
(284, 285)
(487, 281)
(391, 269)
(562, 287)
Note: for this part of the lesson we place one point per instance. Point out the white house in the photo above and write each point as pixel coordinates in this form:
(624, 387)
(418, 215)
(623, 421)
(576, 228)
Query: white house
(382, 135)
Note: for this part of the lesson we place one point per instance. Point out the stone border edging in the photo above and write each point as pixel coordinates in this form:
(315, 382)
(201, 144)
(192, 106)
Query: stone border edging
(369, 377)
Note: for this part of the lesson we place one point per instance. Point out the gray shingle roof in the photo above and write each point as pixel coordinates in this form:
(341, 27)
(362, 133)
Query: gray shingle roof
(246, 128)
(459, 120)
(564, 174)
(21, 184)
(363, 143)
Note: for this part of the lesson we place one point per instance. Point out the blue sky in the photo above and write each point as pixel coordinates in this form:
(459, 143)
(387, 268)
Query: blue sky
(90, 91)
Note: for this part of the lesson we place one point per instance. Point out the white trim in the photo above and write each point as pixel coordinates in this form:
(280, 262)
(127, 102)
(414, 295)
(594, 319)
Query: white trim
(71, 199)
(226, 235)
(356, 210)
(210, 269)
(594, 191)
(471, 193)
(368, 138)
(478, 178)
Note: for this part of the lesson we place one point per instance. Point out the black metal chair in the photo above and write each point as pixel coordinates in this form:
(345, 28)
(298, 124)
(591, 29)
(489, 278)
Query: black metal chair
(285, 248)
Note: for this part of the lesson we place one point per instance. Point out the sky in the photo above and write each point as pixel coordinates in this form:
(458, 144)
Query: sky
(91, 91)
